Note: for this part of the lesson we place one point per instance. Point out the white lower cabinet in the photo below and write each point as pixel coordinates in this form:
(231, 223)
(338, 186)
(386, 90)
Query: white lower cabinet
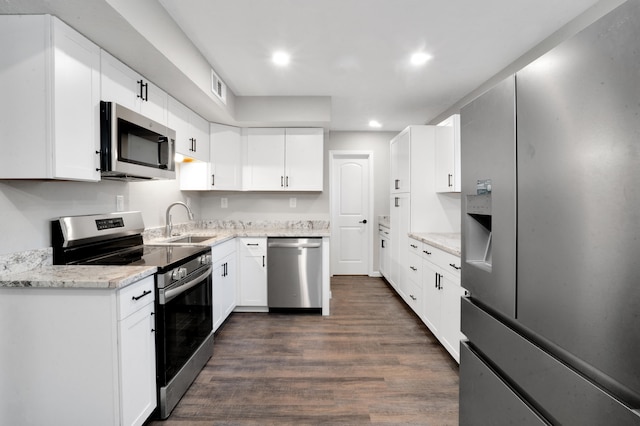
(441, 295)
(78, 356)
(252, 288)
(224, 281)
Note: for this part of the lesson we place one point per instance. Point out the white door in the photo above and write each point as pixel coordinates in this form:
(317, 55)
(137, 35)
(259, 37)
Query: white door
(351, 221)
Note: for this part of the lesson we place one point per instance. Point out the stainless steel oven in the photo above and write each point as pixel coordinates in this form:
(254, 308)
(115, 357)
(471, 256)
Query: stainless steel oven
(184, 335)
(183, 310)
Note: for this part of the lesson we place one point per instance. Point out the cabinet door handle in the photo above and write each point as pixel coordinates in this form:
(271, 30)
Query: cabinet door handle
(426, 252)
(382, 243)
(144, 90)
(263, 260)
(144, 293)
(286, 181)
(413, 268)
(195, 144)
(140, 95)
(397, 184)
(397, 202)
(449, 176)
(453, 265)
(282, 181)
(436, 286)
(363, 221)
(413, 297)
(213, 180)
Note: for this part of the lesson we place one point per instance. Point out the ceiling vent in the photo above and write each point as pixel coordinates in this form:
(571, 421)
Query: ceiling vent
(218, 87)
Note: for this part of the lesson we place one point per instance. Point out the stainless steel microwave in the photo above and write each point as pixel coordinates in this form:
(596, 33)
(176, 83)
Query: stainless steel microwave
(133, 147)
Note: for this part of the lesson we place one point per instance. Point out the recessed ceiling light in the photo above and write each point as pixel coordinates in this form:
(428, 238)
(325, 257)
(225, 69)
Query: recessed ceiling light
(281, 58)
(374, 123)
(420, 58)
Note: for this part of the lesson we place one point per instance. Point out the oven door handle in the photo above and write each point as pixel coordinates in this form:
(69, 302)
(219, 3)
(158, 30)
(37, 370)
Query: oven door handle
(174, 292)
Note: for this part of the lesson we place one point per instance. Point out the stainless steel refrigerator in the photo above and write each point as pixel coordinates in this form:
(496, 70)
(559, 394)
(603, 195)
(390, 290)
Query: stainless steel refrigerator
(551, 236)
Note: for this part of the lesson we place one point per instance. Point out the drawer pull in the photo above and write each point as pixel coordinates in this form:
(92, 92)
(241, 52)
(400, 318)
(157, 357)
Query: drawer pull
(253, 244)
(413, 268)
(426, 252)
(414, 246)
(413, 297)
(453, 265)
(144, 293)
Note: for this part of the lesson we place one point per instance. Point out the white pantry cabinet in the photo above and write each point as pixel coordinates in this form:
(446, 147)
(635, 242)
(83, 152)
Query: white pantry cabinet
(78, 356)
(224, 281)
(252, 286)
(122, 85)
(284, 159)
(50, 102)
(192, 131)
(447, 155)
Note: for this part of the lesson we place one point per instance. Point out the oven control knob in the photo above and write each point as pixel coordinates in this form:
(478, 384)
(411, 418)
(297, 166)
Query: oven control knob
(179, 273)
(205, 259)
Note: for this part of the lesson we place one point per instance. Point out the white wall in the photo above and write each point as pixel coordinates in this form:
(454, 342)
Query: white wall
(28, 206)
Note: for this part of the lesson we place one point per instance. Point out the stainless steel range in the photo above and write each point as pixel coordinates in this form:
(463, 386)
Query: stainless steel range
(184, 329)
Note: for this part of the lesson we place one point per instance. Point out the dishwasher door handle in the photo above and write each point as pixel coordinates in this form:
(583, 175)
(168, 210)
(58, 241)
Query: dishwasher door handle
(294, 245)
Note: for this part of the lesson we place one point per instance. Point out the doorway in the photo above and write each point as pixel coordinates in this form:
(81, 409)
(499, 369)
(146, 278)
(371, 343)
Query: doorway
(352, 221)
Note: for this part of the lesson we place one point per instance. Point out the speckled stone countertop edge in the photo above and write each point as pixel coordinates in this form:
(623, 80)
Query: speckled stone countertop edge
(78, 276)
(448, 242)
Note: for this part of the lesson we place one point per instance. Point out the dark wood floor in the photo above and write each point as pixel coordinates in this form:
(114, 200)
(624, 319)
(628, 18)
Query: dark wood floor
(371, 362)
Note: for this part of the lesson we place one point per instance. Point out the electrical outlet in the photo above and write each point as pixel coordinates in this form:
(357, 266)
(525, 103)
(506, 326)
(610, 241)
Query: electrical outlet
(119, 203)
(293, 201)
(224, 202)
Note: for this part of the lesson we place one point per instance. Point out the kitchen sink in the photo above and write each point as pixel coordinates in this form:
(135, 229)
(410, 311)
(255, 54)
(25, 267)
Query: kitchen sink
(192, 239)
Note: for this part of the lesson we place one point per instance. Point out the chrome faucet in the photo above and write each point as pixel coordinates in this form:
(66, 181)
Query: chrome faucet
(167, 230)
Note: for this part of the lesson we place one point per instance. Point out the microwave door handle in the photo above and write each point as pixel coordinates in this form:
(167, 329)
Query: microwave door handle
(174, 292)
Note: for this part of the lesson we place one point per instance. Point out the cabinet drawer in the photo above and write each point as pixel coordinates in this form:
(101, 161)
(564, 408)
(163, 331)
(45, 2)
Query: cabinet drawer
(136, 296)
(414, 297)
(414, 268)
(255, 246)
(441, 258)
(415, 246)
(222, 250)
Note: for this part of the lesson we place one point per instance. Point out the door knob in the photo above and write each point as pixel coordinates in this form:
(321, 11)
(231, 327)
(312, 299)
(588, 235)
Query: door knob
(363, 221)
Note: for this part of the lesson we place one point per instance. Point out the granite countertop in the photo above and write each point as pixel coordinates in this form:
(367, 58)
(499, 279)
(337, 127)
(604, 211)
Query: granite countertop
(446, 242)
(77, 276)
(111, 277)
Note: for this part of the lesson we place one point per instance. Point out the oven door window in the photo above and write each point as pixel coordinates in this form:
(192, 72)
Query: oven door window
(141, 146)
(184, 323)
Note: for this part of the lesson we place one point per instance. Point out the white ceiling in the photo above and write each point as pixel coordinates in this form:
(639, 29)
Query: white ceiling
(357, 51)
(354, 51)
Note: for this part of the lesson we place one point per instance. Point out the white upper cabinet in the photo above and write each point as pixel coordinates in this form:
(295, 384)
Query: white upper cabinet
(223, 170)
(447, 155)
(226, 157)
(284, 159)
(401, 162)
(265, 159)
(192, 131)
(126, 87)
(49, 107)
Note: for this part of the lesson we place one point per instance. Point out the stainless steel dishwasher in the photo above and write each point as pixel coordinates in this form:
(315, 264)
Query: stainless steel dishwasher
(294, 273)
